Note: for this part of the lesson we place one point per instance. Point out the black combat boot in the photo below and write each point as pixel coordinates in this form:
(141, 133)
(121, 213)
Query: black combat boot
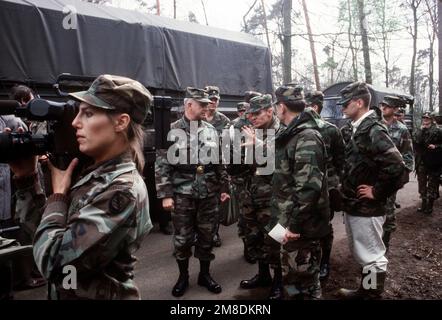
(429, 208)
(326, 246)
(423, 207)
(205, 280)
(386, 239)
(247, 254)
(365, 293)
(277, 292)
(183, 281)
(262, 279)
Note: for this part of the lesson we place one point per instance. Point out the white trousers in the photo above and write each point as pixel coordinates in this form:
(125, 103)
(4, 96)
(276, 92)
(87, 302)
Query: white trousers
(365, 241)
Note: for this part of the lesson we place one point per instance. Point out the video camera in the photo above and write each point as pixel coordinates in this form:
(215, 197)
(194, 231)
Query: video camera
(60, 141)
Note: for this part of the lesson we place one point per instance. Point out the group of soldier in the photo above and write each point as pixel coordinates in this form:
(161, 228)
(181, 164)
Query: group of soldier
(319, 170)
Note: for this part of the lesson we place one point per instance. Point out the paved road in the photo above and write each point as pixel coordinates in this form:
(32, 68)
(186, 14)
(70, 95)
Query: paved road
(157, 271)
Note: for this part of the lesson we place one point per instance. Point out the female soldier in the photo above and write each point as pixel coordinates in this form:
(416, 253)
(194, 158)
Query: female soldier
(91, 226)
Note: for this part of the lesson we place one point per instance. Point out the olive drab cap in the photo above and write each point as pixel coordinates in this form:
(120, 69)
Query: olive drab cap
(199, 95)
(314, 98)
(213, 92)
(248, 95)
(259, 103)
(353, 91)
(427, 114)
(242, 106)
(120, 94)
(288, 93)
(393, 101)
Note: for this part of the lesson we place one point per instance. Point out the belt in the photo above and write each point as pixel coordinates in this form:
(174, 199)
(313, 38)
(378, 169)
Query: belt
(195, 169)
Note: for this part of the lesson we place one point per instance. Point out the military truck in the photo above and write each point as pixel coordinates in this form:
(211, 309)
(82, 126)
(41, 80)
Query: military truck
(60, 46)
(333, 111)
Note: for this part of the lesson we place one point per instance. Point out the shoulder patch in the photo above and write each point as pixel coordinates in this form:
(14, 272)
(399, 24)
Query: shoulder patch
(119, 201)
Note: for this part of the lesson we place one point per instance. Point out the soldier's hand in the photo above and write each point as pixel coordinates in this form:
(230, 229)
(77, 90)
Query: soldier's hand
(431, 147)
(224, 197)
(365, 192)
(290, 236)
(23, 167)
(168, 204)
(249, 135)
(61, 179)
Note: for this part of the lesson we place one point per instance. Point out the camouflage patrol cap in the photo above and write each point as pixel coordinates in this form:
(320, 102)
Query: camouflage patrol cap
(242, 106)
(393, 101)
(120, 94)
(248, 95)
(353, 91)
(314, 98)
(199, 95)
(259, 103)
(213, 92)
(288, 93)
(427, 114)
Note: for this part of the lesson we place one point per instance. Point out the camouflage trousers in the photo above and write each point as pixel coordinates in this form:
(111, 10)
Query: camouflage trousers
(261, 246)
(428, 183)
(194, 217)
(390, 214)
(244, 205)
(300, 262)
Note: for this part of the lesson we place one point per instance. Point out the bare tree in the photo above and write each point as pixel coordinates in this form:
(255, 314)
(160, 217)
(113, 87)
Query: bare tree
(365, 45)
(432, 30)
(266, 28)
(413, 5)
(312, 46)
(439, 18)
(354, 56)
(174, 9)
(244, 18)
(287, 41)
(204, 10)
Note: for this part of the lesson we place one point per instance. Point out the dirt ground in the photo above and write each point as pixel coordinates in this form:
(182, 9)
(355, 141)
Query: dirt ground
(415, 259)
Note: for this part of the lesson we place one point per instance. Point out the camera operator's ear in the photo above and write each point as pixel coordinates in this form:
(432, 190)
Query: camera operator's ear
(121, 122)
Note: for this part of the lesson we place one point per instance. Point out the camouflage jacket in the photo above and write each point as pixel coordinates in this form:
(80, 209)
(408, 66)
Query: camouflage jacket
(220, 122)
(240, 122)
(183, 178)
(299, 196)
(401, 138)
(334, 145)
(371, 158)
(94, 229)
(422, 138)
(347, 132)
(260, 186)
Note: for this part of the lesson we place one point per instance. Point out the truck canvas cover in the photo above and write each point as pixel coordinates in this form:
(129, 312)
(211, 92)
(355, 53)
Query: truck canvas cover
(159, 52)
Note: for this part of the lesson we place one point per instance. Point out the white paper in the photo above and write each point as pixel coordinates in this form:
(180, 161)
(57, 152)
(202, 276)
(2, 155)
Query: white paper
(278, 233)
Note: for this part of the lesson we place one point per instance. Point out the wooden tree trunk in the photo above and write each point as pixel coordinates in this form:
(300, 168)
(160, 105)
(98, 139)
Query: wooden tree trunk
(312, 46)
(350, 41)
(414, 5)
(439, 19)
(265, 24)
(287, 41)
(365, 45)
